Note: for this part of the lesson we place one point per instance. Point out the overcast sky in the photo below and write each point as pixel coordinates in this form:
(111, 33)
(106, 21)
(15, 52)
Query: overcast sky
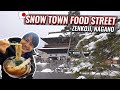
(12, 26)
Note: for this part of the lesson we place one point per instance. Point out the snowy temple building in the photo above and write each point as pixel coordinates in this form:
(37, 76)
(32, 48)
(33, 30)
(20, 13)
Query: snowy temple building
(57, 45)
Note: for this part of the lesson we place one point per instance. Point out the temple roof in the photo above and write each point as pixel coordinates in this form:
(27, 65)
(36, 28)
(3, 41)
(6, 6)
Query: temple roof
(57, 37)
(57, 34)
(56, 40)
(54, 50)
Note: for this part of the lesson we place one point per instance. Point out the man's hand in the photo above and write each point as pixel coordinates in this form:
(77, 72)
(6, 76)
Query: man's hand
(4, 44)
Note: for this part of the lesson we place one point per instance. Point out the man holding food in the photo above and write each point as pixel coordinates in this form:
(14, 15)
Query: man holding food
(20, 49)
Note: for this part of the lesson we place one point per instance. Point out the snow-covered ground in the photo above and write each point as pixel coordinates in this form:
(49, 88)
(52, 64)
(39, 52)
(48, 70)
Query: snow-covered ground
(82, 65)
(60, 68)
(42, 64)
(81, 77)
(47, 70)
(111, 72)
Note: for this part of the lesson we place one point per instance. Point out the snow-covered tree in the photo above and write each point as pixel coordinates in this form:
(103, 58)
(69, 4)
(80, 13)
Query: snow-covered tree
(102, 48)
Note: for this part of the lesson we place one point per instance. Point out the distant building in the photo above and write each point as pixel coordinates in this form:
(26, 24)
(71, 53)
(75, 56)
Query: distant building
(57, 45)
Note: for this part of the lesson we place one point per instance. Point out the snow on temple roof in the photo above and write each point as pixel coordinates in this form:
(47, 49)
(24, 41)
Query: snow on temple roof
(55, 48)
(57, 34)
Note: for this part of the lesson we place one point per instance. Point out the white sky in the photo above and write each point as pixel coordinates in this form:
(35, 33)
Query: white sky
(12, 26)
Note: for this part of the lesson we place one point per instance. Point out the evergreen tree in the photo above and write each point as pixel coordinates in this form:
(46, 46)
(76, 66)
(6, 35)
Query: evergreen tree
(104, 49)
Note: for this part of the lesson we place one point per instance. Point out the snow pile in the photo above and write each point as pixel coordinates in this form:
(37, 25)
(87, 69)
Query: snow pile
(68, 72)
(81, 77)
(42, 64)
(47, 70)
(62, 65)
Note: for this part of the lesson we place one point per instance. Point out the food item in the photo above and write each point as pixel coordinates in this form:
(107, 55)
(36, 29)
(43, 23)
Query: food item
(18, 48)
(23, 64)
(17, 66)
(10, 68)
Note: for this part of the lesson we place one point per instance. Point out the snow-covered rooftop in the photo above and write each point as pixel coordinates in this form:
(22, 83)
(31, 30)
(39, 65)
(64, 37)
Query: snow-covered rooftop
(55, 48)
(60, 34)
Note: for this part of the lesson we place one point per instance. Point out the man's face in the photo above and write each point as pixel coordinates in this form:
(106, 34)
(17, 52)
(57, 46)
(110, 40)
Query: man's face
(27, 45)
